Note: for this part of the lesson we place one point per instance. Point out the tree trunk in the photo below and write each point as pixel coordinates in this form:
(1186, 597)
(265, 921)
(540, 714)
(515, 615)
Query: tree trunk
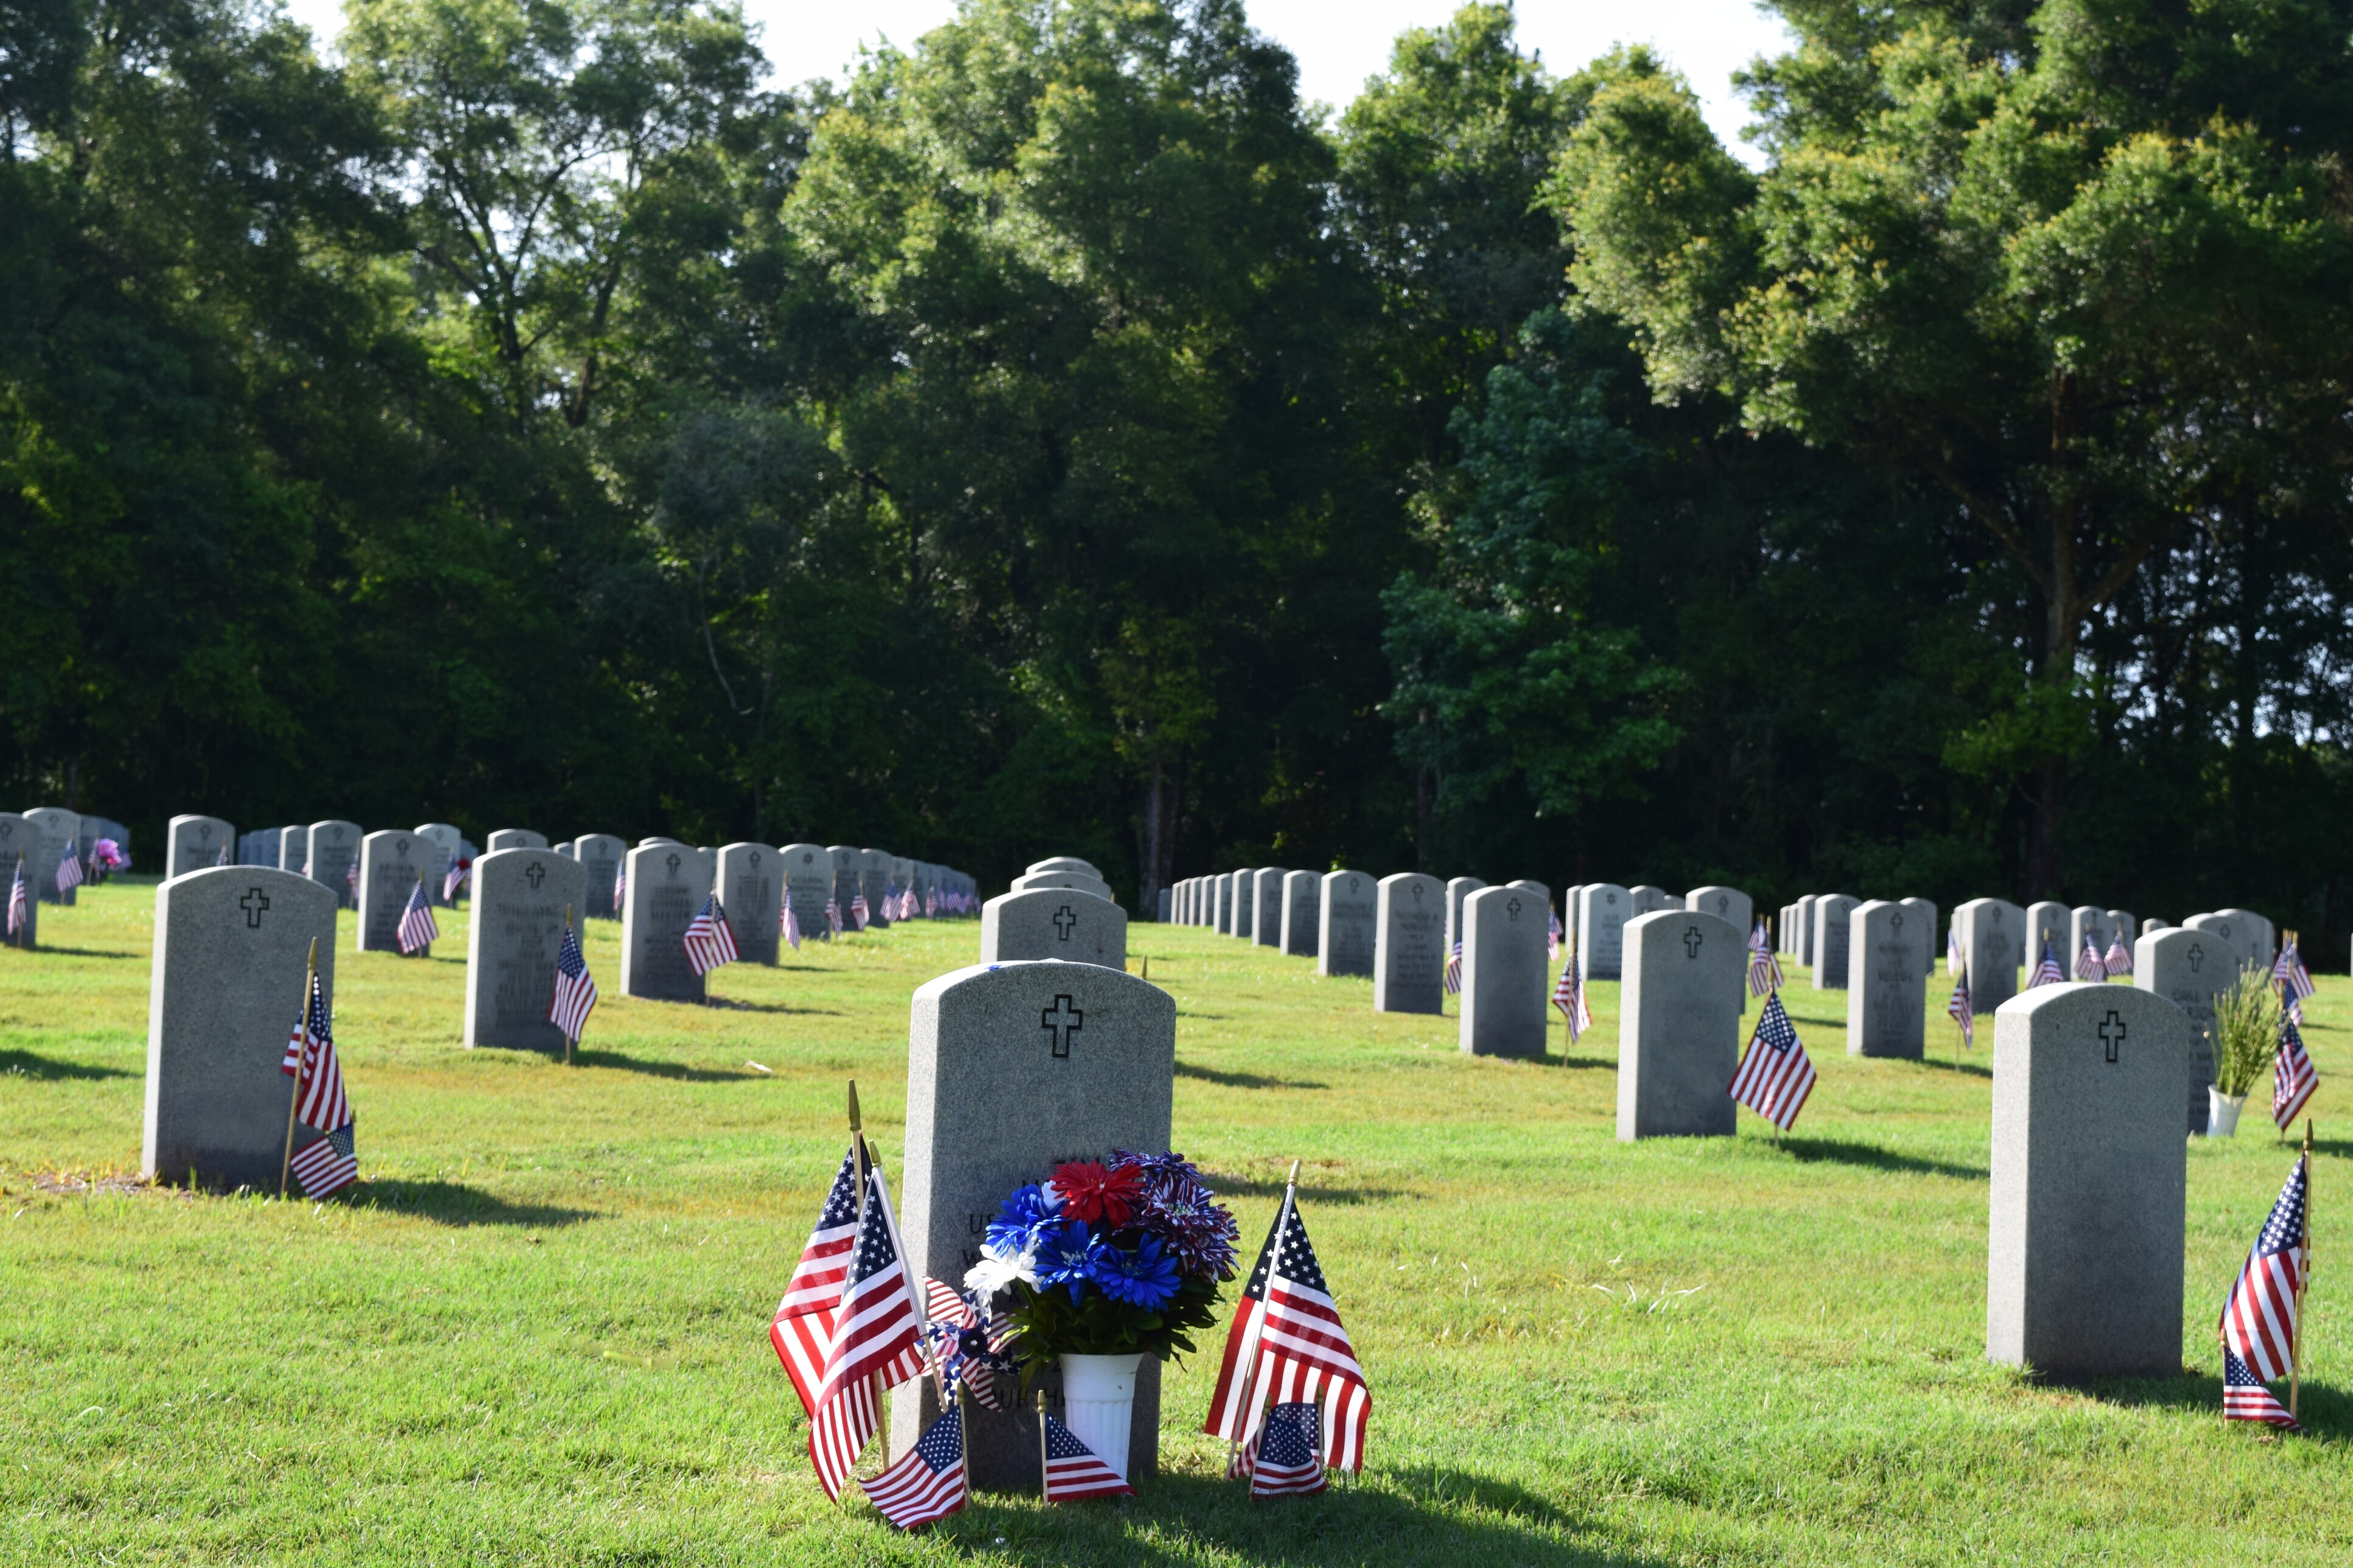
(1155, 840)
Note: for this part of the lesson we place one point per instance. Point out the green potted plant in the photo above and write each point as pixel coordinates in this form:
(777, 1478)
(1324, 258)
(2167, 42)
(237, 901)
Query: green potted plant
(2246, 1036)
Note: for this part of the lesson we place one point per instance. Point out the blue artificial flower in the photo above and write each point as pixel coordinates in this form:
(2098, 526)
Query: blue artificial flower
(1145, 1278)
(1066, 1255)
(1021, 1219)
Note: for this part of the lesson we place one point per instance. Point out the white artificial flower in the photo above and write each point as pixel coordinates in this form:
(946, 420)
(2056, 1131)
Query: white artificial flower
(999, 1267)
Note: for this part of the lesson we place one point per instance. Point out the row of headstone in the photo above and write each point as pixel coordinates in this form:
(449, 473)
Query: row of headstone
(1328, 916)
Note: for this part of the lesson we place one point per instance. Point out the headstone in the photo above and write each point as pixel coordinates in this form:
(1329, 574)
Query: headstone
(1602, 912)
(1729, 904)
(1408, 944)
(1503, 989)
(1924, 913)
(521, 899)
(2047, 921)
(452, 845)
(261, 848)
(2122, 929)
(1886, 986)
(1457, 889)
(2259, 937)
(2185, 967)
(59, 828)
(1266, 921)
(1568, 912)
(599, 855)
(1990, 947)
(1245, 904)
(1831, 913)
(667, 885)
(1805, 930)
(2083, 922)
(1064, 863)
(1053, 923)
(2153, 923)
(1076, 880)
(1166, 901)
(1345, 909)
(1649, 900)
(751, 890)
(874, 866)
(808, 882)
(193, 844)
(232, 947)
(20, 842)
(1678, 1029)
(564, 850)
(335, 850)
(2087, 1208)
(1223, 923)
(1011, 1070)
(1302, 913)
(515, 838)
(391, 865)
(294, 851)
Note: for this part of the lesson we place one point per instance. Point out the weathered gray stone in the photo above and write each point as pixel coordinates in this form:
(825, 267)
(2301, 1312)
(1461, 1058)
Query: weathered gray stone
(60, 831)
(1245, 904)
(2186, 966)
(452, 846)
(1076, 881)
(392, 863)
(1457, 889)
(1011, 1070)
(1649, 900)
(515, 838)
(1053, 923)
(848, 878)
(232, 946)
(2047, 922)
(261, 847)
(1568, 901)
(520, 900)
(1991, 934)
(600, 856)
(1831, 913)
(1409, 945)
(1924, 912)
(2122, 929)
(2086, 1232)
(874, 868)
(1886, 986)
(334, 848)
(1346, 912)
(1504, 988)
(194, 842)
(668, 883)
(2084, 922)
(1729, 904)
(1804, 946)
(809, 883)
(2251, 936)
(294, 851)
(1266, 919)
(21, 842)
(1678, 1027)
(752, 890)
(1302, 913)
(1166, 901)
(1064, 863)
(1602, 910)
(1224, 923)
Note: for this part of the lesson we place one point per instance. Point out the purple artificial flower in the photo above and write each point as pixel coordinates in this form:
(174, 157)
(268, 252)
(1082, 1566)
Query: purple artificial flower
(1067, 1256)
(1145, 1278)
(1180, 1211)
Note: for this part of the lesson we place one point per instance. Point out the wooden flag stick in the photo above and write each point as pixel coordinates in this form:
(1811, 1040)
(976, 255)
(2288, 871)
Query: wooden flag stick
(1041, 1439)
(302, 1060)
(2302, 1280)
(1250, 1392)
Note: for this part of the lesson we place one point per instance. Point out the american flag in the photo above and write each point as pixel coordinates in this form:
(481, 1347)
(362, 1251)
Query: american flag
(2293, 1077)
(330, 1163)
(803, 1327)
(1764, 968)
(710, 939)
(2119, 958)
(1569, 997)
(351, 875)
(1775, 1076)
(859, 913)
(1957, 1007)
(1285, 1461)
(417, 931)
(2089, 964)
(2259, 1319)
(2244, 1398)
(455, 880)
(1073, 1470)
(575, 988)
(1454, 970)
(928, 1483)
(1953, 959)
(2048, 972)
(69, 868)
(789, 924)
(875, 1331)
(833, 916)
(2292, 979)
(1553, 933)
(17, 904)
(1286, 1342)
(620, 886)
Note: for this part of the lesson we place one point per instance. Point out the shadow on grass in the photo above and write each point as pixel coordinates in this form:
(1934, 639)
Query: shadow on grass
(731, 1005)
(1229, 1184)
(456, 1203)
(80, 952)
(1423, 1516)
(1244, 1079)
(2326, 1410)
(1836, 1151)
(620, 1062)
(31, 1066)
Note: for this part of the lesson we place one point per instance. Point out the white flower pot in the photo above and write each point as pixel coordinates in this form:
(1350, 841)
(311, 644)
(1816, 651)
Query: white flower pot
(1098, 1403)
(2222, 1112)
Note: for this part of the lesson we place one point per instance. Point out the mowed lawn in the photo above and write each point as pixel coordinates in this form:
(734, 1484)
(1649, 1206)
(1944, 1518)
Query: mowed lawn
(538, 1334)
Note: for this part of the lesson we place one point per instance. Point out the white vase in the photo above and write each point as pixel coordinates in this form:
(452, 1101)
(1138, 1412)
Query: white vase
(1098, 1403)
(2222, 1112)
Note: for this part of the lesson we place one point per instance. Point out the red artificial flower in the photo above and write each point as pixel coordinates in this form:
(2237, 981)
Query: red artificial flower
(1089, 1191)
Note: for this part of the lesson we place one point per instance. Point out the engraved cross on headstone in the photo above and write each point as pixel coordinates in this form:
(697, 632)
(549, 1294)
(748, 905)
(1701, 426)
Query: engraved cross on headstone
(253, 903)
(2112, 1032)
(1512, 907)
(2196, 956)
(1064, 918)
(1063, 1020)
(1692, 937)
(672, 862)
(535, 874)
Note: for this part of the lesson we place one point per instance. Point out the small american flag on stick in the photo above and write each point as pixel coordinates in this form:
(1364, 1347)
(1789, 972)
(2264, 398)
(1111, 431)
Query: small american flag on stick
(1073, 1470)
(710, 939)
(2293, 1076)
(330, 1163)
(2259, 1319)
(1454, 970)
(2293, 980)
(928, 1483)
(1285, 1461)
(1286, 1343)
(2089, 964)
(1775, 1076)
(2244, 1397)
(17, 902)
(2119, 957)
(2048, 972)
(803, 1326)
(418, 931)
(575, 988)
(1957, 1007)
(1764, 969)
(877, 1338)
(1569, 997)
(69, 866)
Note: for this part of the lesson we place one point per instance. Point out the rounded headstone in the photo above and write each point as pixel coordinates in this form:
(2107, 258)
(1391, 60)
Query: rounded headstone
(2187, 966)
(1409, 945)
(194, 842)
(1053, 923)
(1266, 919)
(60, 831)
(392, 864)
(600, 856)
(516, 838)
(21, 854)
(1349, 905)
(1678, 1025)
(1991, 941)
(667, 885)
(1503, 989)
(334, 852)
(1064, 863)
(1831, 913)
(1602, 912)
(522, 898)
(1886, 984)
(1079, 880)
(1457, 889)
(1302, 913)
(752, 891)
(809, 883)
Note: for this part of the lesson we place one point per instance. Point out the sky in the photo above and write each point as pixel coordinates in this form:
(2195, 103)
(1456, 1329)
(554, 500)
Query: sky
(1338, 43)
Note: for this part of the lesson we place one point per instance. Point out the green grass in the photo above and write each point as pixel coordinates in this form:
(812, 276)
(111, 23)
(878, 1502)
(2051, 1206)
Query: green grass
(539, 1333)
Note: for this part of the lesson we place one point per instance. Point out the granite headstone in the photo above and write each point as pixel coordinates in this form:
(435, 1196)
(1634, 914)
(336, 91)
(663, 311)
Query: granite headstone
(1886, 986)
(1678, 1029)
(521, 899)
(1503, 989)
(668, 883)
(1346, 915)
(1053, 923)
(1408, 944)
